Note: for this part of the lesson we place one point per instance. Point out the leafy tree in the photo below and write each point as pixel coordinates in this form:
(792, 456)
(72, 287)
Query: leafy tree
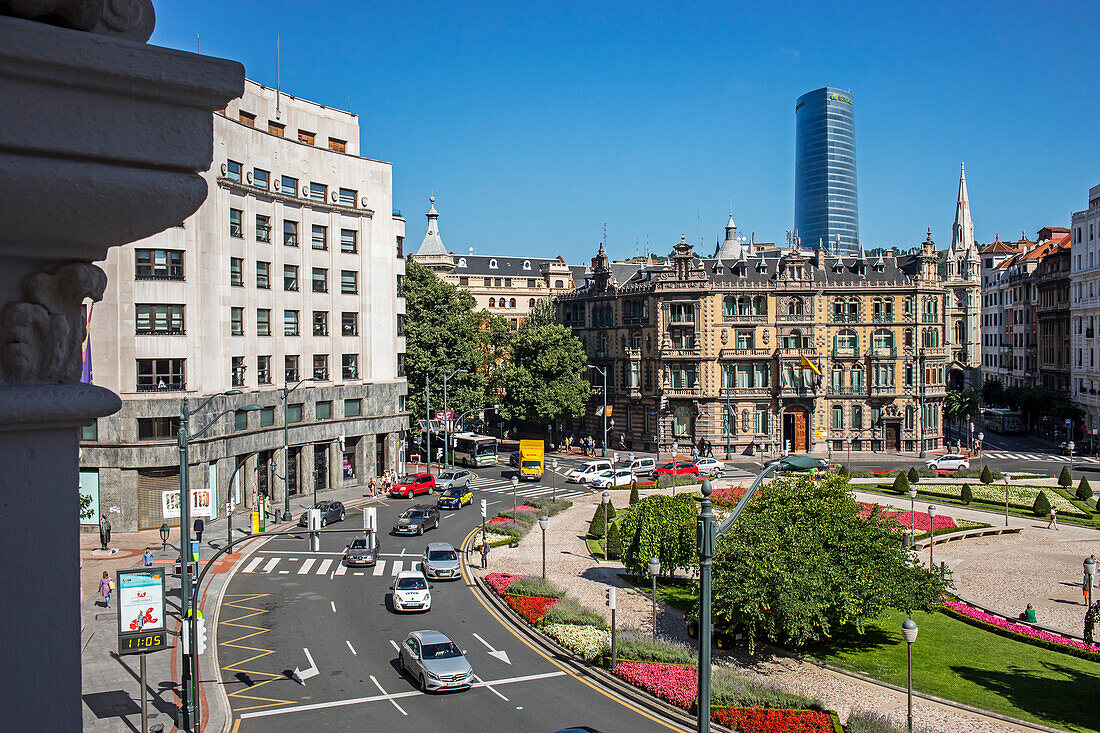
(543, 314)
(86, 510)
(801, 562)
(994, 394)
(967, 494)
(633, 493)
(655, 527)
(1084, 491)
(987, 475)
(914, 475)
(595, 527)
(901, 483)
(960, 405)
(543, 381)
(1065, 478)
(1041, 507)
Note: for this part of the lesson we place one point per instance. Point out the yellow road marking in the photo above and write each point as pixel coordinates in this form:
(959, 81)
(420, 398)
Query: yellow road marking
(241, 599)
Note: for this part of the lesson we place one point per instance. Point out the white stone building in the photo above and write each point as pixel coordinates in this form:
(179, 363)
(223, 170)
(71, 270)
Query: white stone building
(291, 270)
(1085, 310)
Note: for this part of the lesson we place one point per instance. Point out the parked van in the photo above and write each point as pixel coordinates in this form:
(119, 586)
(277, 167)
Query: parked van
(587, 471)
(640, 467)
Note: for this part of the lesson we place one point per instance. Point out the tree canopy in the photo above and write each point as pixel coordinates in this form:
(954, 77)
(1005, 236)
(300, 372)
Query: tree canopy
(801, 562)
(543, 378)
(659, 526)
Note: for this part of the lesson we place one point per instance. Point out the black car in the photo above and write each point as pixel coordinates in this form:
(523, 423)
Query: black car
(331, 511)
(417, 520)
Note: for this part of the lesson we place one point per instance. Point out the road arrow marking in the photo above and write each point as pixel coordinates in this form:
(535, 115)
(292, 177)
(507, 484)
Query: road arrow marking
(501, 654)
(304, 674)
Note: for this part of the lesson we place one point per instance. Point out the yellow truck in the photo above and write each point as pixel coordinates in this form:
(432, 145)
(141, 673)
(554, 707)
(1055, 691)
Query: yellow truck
(532, 457)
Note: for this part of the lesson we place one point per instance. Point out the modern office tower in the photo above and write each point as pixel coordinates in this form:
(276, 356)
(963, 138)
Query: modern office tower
(287, 278)
(825, 210)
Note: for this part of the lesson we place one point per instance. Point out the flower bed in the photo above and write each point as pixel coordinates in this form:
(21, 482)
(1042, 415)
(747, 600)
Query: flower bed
(1021, 632)
(498, 520)
(526, 508)
(586, 642)
(1020, 497)
(909, 520)
(763, 720)
(499, 582)
(674, 683)
(530, 608)
(728, 494)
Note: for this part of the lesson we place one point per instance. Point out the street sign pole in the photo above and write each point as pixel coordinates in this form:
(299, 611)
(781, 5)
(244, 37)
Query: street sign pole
(144, 697)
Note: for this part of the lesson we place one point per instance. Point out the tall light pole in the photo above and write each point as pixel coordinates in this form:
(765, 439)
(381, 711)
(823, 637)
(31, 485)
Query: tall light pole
(428, 409)
(286, 445)
(909, 633)
(1007, 477)
(543, 521)
(603, 371)
(446, 418)
(912, 516)
(654, 569)
(849, 441)
(188, 672)
(931, 534)
(729, 420)
(605, 499)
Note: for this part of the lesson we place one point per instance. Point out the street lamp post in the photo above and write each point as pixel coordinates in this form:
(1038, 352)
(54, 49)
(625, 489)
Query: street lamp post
(909, 633)
(603, 371)
(543, 521)
(428, 409)
(1007, 477)
(164, 532)
(931, 534)
(654, 569)
(912, 516)
(729, 421)
(605, 499)
(1070, 446)
(446, 417)
(554, 480)
(515, 506)
(849, 441)
(1090, 573)
(286, 447)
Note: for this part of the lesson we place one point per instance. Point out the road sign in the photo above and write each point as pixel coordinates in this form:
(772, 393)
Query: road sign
(141, 625)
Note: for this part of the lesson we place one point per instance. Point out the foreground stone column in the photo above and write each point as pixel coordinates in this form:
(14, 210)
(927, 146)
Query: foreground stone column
(101, 141)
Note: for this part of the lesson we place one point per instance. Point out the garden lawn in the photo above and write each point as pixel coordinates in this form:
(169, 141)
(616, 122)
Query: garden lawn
(678, 592)
(960, 662)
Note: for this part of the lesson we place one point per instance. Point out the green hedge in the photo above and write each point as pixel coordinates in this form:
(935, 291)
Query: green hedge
(1008, 633)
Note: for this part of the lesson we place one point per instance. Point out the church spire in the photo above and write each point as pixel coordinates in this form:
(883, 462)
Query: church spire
(962, 235)
(433, 243)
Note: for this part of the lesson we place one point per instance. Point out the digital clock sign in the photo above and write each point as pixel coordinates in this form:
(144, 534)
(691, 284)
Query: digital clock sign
(141, 643)
(141, 624)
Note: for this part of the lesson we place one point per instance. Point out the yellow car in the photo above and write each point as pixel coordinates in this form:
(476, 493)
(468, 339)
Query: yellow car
(455, 497)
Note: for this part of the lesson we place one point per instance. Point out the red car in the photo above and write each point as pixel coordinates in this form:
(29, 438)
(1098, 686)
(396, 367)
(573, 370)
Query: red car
(413, 484)
(679, 468)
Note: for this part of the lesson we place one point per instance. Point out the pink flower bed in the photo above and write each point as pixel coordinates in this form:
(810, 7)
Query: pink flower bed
(909, 520)
(1022, 629)
(674, 683)
(498, 520)
(499, 582)
(526, 508)
(728, 493)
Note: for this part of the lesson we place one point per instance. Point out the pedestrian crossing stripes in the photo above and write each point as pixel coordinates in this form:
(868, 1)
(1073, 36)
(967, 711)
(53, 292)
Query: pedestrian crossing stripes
(1016, 456)
(311, 566)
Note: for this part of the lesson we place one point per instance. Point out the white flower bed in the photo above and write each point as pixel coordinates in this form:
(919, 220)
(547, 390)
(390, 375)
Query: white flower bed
(497, 539)
(587, 642)
(1020, 496)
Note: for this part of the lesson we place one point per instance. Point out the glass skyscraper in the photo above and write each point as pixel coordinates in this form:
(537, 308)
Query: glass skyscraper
(825, 171)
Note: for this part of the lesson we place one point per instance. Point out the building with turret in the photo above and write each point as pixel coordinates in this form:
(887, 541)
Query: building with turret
(964, 298)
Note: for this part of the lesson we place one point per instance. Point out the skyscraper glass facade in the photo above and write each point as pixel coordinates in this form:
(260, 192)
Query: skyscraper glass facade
(825, 170)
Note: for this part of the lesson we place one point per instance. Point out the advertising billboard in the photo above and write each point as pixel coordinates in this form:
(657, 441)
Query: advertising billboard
(141, 622)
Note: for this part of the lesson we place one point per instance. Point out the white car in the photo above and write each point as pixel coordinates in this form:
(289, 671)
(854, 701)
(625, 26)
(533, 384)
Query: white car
(948, 462)
(710, 467)
(613, 477)
(411, 592)
(587, 471)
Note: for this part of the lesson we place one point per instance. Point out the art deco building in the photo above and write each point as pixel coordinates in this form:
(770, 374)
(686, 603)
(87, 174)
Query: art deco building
(717, 349)
(290, 271)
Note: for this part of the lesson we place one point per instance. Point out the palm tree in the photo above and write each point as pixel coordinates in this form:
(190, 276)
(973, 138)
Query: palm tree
(960, 405)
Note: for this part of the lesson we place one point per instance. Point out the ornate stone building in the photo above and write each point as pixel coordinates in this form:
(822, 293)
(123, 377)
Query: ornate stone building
(964, 298)
(718, 349)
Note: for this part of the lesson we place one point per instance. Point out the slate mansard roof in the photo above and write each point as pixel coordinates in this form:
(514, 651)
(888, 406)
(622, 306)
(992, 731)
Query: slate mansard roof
(501, 266)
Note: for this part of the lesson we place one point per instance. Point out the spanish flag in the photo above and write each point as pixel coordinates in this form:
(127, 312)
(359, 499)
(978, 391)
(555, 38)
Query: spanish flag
(807, 364)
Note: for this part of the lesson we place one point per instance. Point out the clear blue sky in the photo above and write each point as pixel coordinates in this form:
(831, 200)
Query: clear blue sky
(536, 123)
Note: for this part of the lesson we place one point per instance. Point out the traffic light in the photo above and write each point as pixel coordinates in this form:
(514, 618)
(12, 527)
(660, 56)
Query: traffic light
(609, 596)
(200, 636)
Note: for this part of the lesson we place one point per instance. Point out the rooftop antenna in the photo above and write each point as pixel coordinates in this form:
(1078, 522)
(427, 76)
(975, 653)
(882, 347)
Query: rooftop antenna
(471, 251)
(278, 76)
(636, 252)
(605, 235)
(196, 43)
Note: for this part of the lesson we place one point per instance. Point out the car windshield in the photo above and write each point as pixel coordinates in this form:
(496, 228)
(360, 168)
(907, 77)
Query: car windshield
(446, 650)
(407, 480)
(604, 474)
(454, 493)
(442, 555)
(412, 514)
(667, 466)
(321, 505)
(411, 584)
(359, 544)
(449, 475)
(531, 464)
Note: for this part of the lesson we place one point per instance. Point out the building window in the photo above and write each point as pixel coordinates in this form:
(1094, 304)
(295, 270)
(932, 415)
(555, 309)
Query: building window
(348, 196)
(263, 369)
(152, 319)
(233, 171)
(323, 410)
(267, 417)
(320, 280)
(236, 367)
(158, 264)
(263, 321)
(306, 137)
(531, 303)
(462, 282)
(240, 420)
(246, 118)
(236, 321)
(318, 191)
(320, 237)
(158, 428)
(290, 233)
(683, 376)
(337, 146)
(400, 324)
(349, 282)
(290, 368)
(263, 228)
(511, 302)
(294, 413)
(492, 302)
(857, 417)
(276, 128)
(351, 366)
(263, 275)
(320, 323)
(290, 323)
(348, 241)
(90, 432)
(160, 375)
(349, 323)
(400, 365)
(320, 366)
(236, 276)
(261, 178)
(290, 277)
(236, 229)
(352, 408)
(837, 422)
(288, 185)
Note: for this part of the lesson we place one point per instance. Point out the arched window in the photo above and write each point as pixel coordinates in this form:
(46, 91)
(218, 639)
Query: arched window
(856, 376)
(492, 302)
(908, 337)
(882, 343)
(531, 303)
(512, 303)
(960, 331)
(492, 264)
(558, 284)
(683, 422)
(461, 261)
(847, 343)
(729, 306)
(760, 305)
(794, 307)
(527, 264)
(793, 340)
(744, 306)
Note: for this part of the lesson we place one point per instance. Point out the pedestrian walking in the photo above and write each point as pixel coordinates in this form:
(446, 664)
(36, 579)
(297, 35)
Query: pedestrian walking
(147, 558)
(1053, 519)
(200, 526)
(622, 441)
(370, 487)
(484, 554)
(694, 453)
(106, 585)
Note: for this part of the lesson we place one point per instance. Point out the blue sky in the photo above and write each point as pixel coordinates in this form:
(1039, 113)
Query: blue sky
(537, 123)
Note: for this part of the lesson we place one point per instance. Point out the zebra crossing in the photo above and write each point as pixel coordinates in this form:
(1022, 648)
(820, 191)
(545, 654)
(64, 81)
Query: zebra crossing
(1013, 456)
(532, 491)
(290, 564)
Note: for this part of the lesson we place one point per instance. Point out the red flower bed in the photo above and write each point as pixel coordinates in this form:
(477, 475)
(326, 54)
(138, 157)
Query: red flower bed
(761, 720)
(499, 582)
(674, 683)
(730, 494)
(531, 608)
(909, 520)
(498, 520)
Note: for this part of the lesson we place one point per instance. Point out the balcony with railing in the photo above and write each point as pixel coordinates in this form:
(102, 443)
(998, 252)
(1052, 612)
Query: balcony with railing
(161, 384)
(796, 351)
(633, 354)
(794, 317)
(884, 390)
(840, 390)
(745, 353)
(728, 317)
(681, 392)
(733, 393)
(845, 352)
(883, 318)
(798, 390)
(847, 317)
(883, 352)
(930, 318)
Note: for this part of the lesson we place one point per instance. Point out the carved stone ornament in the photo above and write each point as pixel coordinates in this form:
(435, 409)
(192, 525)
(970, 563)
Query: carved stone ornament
(40, 337)
(725, 337)
(766, 337)
(129, 19)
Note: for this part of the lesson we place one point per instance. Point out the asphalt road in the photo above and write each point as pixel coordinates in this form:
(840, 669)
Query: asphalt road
(269, 619)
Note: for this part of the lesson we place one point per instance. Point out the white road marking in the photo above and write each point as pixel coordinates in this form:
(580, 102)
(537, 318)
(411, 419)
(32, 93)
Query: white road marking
(491, 688)
(271, 564)
(379, 568)
(273, 552)
(252, 564)
(354, 653)
(395, 647)
(398, 566)
(311, 671)
(292, 559)
(341, 569)
(499, 654)
(306, 566)
(358, 573)
(284, 572)
(390, 697)
(333, 604)
(323, 567)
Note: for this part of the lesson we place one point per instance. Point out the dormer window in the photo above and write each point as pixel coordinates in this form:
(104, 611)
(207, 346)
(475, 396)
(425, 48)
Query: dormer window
(527, 264)
(461, 261)
(492, 264)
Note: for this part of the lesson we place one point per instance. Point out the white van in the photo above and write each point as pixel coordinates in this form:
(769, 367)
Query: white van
(640, 467)
(587, 471)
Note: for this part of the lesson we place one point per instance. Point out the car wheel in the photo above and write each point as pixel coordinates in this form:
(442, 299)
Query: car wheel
(323, 521)
(420, 530)
(342, 515)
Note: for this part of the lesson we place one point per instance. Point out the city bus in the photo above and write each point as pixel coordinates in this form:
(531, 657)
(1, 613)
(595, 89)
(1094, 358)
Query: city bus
(1002, 420)
(471, 449)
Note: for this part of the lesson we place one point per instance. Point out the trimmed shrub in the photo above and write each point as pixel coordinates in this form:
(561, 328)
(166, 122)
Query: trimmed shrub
(966, 495)
(571, 612)
(595, 527)
(1041, 507)
(844, 471)
(901, 484)
(634, 498)
(1065, 478)
(1084, 491)
(914, 476)
(529, 585)
(614, 542)
(510, 528)
(987, 475)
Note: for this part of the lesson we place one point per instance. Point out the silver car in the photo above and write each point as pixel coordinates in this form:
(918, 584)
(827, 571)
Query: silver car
(362, 552)
(435, 662)
(440, 561)
(455, 477)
